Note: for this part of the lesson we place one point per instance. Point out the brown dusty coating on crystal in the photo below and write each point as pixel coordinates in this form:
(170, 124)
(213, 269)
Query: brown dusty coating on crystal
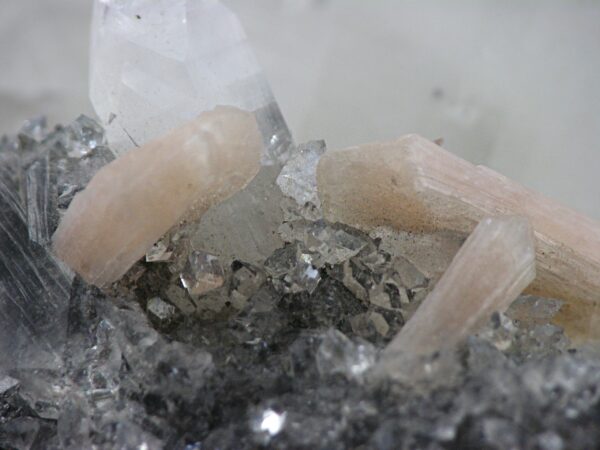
(134, 200)
(413, 184)
(494, 265)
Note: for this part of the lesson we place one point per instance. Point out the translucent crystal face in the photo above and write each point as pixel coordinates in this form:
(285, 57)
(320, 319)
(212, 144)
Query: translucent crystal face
(286, 362)
(202, 273)
(156, 64)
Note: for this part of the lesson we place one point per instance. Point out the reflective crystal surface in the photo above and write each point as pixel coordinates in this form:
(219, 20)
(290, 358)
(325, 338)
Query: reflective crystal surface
(86, 135)
(280, 351)
(202, 273)
(157, 64)
(298, 177)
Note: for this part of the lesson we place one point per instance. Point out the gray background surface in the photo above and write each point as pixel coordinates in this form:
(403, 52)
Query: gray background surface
(513, 85)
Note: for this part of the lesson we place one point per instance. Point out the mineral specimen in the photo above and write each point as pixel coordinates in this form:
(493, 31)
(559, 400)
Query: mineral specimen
(495, 264)
(414, 185)
(280, 367)
(298, 178)
(134, 200)
(338, 354)
(158, 64)
(202, 273)
(160, 311)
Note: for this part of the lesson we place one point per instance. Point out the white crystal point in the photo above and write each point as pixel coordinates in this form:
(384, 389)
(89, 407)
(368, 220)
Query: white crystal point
(494, 265)
(156, 64)
(134, 200)
(412, 184)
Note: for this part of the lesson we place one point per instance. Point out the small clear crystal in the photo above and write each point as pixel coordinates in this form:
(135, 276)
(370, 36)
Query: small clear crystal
(160, 310)
(85, 134)
(337, 354)
(245, 282)
(159, 253)
(202, 273)
(292, 269)
(34, 129)
(298, 178)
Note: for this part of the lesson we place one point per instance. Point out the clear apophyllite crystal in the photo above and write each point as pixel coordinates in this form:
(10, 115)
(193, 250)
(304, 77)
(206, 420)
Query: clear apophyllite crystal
(202, 273)
(158, 63)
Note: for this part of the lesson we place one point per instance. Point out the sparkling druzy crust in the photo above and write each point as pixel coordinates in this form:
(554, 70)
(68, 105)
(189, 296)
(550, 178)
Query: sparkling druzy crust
(134, 200)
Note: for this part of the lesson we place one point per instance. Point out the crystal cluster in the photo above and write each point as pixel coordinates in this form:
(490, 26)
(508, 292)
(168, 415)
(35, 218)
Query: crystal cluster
(296, 298)
(493, 267)
(278, 353)
(136, 199)
(412, 184)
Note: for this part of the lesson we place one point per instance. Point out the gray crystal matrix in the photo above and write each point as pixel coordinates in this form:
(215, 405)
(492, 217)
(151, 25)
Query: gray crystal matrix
(261, 346)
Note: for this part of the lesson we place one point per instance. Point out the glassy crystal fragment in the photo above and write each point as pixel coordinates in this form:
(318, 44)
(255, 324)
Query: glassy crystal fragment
(337, 354)
(245, 282)
(85, 135)
(160, 310)
(202, 273)
(133, 201)
(298, 178)
(328, 243)
(414, 185)
(333, 244)
(180, 299)
(528, 340)
(159, 253)
(158, 64)
(33, 131)
(495, 264)
(292, 269)
(42, 201)
(74, 173)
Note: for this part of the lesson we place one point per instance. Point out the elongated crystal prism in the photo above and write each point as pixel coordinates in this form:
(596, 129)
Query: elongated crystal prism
(155, 64)
(413, 184)
(134, 200)
(494, 265)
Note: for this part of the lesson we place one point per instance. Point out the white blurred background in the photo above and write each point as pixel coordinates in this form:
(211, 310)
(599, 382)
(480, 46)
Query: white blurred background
(513, 85)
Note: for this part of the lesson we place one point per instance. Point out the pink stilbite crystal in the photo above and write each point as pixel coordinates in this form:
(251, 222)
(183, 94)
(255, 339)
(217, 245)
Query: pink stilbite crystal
(491, 269)
(413, 184)
(134, 200)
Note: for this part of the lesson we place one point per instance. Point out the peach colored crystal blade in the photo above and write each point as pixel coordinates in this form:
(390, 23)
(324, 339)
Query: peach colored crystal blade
(134, 200)
(413, 184)
(494, 265)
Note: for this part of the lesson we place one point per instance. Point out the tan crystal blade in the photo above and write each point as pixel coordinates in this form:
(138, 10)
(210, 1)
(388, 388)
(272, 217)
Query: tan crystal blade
(413, 184)
(494, 265)
(134, 200)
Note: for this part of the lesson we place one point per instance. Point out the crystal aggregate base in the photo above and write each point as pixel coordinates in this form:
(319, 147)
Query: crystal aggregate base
(195, 353)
